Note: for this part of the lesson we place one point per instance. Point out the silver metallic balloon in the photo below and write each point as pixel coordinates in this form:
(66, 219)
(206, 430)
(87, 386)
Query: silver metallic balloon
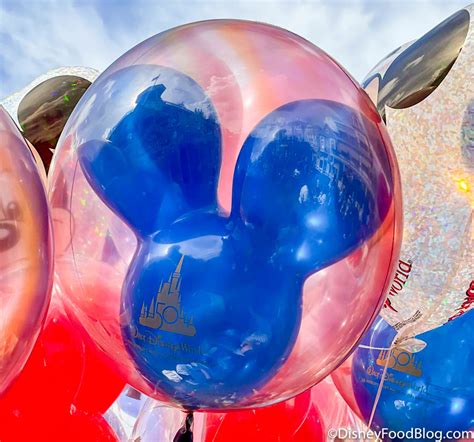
(426, 95)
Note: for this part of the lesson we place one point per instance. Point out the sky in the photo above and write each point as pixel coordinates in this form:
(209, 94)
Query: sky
(39, 35)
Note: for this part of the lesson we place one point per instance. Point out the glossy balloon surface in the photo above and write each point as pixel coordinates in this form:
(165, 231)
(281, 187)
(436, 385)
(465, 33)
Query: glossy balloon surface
(76, 427)
(431, 389)
(206, 214)
(292, 420)
(26, 262)
(426, 94)
(44, 110)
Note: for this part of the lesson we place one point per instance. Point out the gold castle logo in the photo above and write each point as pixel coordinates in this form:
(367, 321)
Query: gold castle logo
(400, 360)
(164, 311)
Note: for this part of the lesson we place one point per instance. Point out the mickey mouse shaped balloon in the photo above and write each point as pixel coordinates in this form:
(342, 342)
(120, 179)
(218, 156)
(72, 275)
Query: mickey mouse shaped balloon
(425, 92)
(253, 174)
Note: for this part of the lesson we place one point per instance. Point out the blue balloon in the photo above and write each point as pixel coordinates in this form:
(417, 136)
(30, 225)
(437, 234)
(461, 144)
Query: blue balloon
(211, 305)
(431, 389)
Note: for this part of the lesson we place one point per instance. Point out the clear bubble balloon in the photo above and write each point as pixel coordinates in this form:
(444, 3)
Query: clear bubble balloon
(226, 229)
(26, 263)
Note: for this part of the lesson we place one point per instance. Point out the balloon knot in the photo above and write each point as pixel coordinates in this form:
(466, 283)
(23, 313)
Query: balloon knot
(185, 433)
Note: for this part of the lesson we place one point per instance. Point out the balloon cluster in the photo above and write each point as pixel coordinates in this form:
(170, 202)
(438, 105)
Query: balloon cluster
(54, 384)
(226, 232)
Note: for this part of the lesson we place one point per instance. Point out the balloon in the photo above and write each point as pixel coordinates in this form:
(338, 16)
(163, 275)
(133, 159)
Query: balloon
(64, 373)
(44, 110)
(342, 379)
(78, 427)
(12, 102)
(336, 414)
(84, 427)
(26, 263)
(39, 164)
(426, 95)
(431, 389)
(208, 212)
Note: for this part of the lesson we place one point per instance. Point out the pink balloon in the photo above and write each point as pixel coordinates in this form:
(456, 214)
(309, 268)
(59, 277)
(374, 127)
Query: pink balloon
(26, 262)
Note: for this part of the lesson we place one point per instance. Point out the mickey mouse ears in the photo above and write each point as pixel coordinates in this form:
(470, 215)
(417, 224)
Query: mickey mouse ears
(42, 108)
(412, 72)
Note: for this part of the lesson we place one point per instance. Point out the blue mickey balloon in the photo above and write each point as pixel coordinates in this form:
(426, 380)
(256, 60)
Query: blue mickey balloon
(211, 305)
(432, 389)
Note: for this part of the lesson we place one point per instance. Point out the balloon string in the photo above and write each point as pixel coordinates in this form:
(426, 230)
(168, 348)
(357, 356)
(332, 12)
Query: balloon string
(185, 433)
(382, 380)
(369, 347)
(405, 333)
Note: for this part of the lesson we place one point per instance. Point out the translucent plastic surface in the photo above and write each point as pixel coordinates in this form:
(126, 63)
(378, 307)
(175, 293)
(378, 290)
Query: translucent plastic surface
(25, 251)
(227, 206)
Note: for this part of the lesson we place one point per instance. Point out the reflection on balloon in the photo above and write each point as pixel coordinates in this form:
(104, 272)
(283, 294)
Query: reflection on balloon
(207, 235)
(25, 252)
(44, 110)
(420, 67)
(426, 94)
(431, 389)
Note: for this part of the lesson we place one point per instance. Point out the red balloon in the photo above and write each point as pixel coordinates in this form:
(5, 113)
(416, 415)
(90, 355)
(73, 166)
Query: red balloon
(294, 420)
(100, 384)
(78, 427)
(63, 374)
(87, 428)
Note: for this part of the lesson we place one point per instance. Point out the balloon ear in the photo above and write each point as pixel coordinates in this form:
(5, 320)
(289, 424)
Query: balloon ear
(135, 196)
(162, 158)
(308, 183)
